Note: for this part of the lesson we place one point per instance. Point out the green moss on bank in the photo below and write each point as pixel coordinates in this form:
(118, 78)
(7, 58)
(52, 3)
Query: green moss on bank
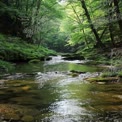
(5, 66)
(14, 49)
(107, 77)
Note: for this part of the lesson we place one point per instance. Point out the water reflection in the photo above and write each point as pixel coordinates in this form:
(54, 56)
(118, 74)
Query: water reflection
(79, 101)
(54, 95)
(67, 107)
(66, 111)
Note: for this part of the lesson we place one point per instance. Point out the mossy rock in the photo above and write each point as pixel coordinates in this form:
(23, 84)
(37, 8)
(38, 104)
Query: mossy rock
(78, 72)
(101, 80)
(28, 118)
(109, 74)
(12, 116)
(74, 74)
(74, 57)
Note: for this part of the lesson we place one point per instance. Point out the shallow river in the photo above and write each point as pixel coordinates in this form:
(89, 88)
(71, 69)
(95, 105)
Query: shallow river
(48, 92)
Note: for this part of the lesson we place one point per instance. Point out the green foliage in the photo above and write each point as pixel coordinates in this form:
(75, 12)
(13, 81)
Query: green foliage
(79, 29)
(116, 61)
(45, 23)
(8, 10)
(5, 66)
(17, 50)
(120, 73)
(2, 37)
(34, 61)
(113, 73)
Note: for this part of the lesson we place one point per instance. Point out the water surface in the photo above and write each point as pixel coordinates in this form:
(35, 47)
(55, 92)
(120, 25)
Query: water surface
(52, 94)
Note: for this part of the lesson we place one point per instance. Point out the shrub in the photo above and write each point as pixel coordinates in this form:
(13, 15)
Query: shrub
(5, 66)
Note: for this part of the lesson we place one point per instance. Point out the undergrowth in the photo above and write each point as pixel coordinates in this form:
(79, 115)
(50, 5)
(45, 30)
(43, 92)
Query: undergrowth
(15, 49)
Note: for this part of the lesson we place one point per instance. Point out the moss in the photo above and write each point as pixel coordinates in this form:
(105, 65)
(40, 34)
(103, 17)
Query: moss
(5, 66)
(28, 118)
(101, 79)
(120, 73)
(12, 116)
(34, 61)
(16, 49)
(109, 74)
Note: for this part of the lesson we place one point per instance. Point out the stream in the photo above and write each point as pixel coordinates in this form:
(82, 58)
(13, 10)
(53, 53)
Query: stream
(48, 92)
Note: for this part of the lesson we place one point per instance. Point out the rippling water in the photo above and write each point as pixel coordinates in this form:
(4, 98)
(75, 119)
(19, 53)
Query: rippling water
(52, 94)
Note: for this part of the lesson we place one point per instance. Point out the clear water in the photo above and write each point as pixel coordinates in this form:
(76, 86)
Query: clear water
(53, 95)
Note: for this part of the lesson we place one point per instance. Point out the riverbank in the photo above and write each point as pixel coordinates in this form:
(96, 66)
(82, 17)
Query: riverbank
(13, 49)
(108, 60)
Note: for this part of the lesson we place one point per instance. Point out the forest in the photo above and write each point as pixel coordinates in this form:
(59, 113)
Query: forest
(60, 60)
(33, 29)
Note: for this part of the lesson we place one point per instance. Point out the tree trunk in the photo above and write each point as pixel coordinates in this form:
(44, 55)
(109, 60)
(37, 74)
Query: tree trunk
(27, 5)
(80, 23)
(98, 40)
(110, 26)
(116, 4)
(111, 35)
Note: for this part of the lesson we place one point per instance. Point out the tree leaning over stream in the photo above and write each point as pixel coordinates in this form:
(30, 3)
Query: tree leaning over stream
(99, 42)
(99, 20)
(118, 13)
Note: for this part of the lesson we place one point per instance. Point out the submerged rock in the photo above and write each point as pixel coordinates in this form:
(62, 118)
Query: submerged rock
(28, 118)
(17, 76)
(12, 116)
(73, 57)
(101, 80)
